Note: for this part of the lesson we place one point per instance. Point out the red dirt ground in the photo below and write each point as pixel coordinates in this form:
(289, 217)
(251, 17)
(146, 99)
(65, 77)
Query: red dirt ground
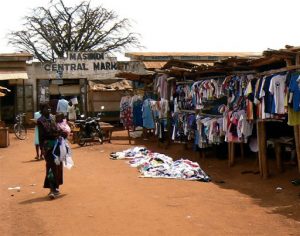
(106, 197)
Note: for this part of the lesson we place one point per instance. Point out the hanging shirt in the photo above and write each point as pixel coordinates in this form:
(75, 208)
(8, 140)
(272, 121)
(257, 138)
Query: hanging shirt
(245, 127)
(148, 121)
(294, 87)
(163, 108)
(262, 94)
(137, 105)
(268, 96)
(293, 117)
(126, 112)
(277, 88)
(249, 91)
(162, 86)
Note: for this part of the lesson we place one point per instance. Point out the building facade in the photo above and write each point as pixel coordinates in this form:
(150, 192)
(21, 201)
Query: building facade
(70, 78)
(13, 75)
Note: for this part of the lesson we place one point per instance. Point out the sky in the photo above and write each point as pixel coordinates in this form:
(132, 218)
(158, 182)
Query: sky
(190, 25)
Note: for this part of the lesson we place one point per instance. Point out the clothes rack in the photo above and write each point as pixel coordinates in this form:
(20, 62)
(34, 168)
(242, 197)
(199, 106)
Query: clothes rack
(210, 77)
(210, 115)
(185, 82)
(187, 111)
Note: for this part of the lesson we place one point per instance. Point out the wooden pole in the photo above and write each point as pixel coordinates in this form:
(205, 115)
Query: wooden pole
(91, 101)
(297, 141)
(262, 149)
(259, 149)
(230, 154)
(24, 100)
(0, 111)
(278, 156)
(297, 127)
(242, 150)
(228, 147)
(85, 96)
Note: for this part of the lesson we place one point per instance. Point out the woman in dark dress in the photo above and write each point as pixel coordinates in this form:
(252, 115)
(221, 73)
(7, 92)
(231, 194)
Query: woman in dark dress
(48, 134)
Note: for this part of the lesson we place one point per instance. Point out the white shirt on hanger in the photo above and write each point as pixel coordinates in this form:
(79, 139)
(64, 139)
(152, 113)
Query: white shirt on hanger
(277, 87)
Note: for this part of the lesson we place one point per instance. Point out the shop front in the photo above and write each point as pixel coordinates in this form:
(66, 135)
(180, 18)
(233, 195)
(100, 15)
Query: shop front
(14, 77)
(68, 78)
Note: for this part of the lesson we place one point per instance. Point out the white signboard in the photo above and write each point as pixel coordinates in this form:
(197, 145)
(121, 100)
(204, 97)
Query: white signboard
(83, 64)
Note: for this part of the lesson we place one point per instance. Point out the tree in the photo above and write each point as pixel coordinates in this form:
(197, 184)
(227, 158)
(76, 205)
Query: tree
(51, 32)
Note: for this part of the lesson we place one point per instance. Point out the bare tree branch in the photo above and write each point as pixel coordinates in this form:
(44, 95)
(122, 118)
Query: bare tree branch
(49, 32)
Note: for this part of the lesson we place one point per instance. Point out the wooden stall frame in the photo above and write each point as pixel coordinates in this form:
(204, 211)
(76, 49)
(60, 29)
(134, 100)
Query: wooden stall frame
(262, 147)
(297, 142)
(231, 152)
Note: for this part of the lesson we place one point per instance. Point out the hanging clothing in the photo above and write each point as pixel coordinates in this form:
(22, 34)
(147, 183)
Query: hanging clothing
(294, 88)
(126, 112)
(277, 89)
(137, 106)
(293, 117)
(161, 86)
(148, 120)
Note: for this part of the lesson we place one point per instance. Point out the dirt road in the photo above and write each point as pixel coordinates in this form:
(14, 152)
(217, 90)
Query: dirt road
(106, 197)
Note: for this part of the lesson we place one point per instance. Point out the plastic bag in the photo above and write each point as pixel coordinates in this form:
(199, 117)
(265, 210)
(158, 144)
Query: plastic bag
(68, 162)
(63, 149)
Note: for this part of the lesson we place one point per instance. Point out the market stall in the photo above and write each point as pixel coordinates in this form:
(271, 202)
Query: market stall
(238, 101)
(105, 96)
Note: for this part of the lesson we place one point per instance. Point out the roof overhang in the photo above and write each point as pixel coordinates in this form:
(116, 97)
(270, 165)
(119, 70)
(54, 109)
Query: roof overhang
(146, 78)
(8, 75)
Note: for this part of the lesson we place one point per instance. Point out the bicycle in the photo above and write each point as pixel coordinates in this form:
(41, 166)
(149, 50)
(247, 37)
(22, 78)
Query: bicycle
(19, 128)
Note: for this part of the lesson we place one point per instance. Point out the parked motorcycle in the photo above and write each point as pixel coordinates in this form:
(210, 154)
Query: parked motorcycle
(89, 130)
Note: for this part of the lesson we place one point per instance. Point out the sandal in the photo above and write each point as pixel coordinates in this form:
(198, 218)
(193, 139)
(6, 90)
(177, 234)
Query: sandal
(51, 195)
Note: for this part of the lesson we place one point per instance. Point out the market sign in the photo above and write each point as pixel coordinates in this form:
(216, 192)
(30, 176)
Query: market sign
(82, 63)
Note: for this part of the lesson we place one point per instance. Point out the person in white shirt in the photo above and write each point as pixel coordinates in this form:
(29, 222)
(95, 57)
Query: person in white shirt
(71, 111)
(62, 106)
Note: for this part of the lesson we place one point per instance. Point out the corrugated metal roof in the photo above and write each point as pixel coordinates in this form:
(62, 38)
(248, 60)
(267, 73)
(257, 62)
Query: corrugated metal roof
(20, 54)
(199, 63)
(161, 64)
(154, 64)
(222, 54)
(15, 57)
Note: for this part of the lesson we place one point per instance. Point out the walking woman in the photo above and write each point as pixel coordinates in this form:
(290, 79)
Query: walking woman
(48, 134)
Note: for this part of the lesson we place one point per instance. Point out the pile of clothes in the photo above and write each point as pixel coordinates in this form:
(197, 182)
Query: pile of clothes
(156, 165)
